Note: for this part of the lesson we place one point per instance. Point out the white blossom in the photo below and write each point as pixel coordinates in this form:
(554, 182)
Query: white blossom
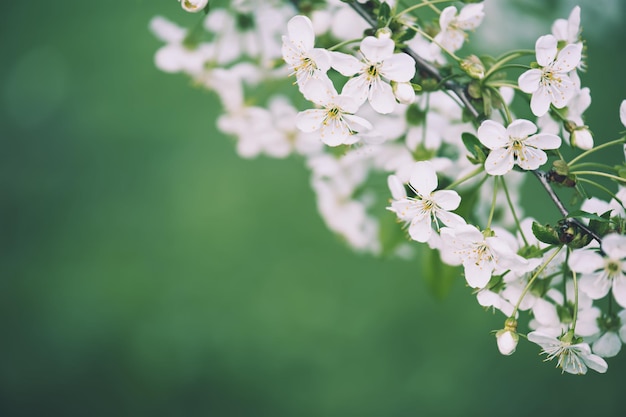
(551, 84)
(573, 358)
(603, 273)
(336, 123)
(515, 144)
(453, 25)
(378, 63)
(429, 206)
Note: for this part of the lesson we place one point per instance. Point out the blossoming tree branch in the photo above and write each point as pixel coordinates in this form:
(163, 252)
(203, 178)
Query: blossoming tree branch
(364, 90)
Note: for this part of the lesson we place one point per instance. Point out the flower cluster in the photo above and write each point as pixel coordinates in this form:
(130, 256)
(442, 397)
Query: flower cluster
(375, 103)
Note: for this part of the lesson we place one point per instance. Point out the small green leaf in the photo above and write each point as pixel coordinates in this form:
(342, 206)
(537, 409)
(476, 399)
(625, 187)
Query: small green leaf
(546, 234)
(383, 14)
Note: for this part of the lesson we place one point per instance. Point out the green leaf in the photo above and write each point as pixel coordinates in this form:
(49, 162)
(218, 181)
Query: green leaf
(383, 15)
(439, 276)
(546, 234)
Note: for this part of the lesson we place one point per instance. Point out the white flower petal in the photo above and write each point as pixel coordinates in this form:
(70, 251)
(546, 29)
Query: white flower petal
(614, 245)
(619, 290)
(345, 64)
(529, 81)
(447, 199)
(608, 345)
(540, 101)
(377, 49)
(381, 98)
(310, 120)
(423, 178)
(530, 158)
(546, 49)
(499, 162)
(492, 134)
(398, 67)
(300, 32)
(520, 129)
(421, 228)
(544, 141)
(622, 112)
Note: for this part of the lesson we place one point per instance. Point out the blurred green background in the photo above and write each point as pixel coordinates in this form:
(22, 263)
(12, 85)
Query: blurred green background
(146, 270)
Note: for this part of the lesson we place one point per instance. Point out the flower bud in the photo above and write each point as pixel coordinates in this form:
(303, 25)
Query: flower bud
(194, 6)
(581, 138)
(404, 92)
(507, 338)
(473, 66)
(384, 33)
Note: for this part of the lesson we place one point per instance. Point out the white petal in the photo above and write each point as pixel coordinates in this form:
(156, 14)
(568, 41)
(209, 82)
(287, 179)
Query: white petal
(540, 101)
(499, 162)
(544, 141)
(470, 16)
(334, 133)
(423, 178)
(546, 49)
(345, 64)
(614, 245)
(569, 58)
(529, 81)
(531, 158)
(421, 228)
(357, 123)
(622, 112)
(447, 199)
(310, 120)
(396, 187)
(300, 32)
(585, 261)
(398, 67)
(521, 128)
(450, 219)
(357, 88)
(477, 274)
(381, 97)
(595, 286)
(608, 345)
(619, 290)
(492, 134)
(596, 363)
(377, 49)
(542, 339)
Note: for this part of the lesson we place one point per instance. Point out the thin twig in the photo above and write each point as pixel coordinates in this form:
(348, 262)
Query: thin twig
(541, 176)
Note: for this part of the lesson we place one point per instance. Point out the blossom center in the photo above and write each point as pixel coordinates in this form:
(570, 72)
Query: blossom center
(372, 72)
(613, 268)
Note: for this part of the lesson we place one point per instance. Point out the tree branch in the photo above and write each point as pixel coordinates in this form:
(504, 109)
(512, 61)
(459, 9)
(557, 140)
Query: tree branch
(426, 67)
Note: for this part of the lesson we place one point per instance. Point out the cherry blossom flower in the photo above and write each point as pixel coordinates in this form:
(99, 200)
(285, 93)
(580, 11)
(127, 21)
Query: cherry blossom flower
(306, 62)
(452, 35)
(378, 62)
(481, 256)
(515, 144)
(567, 30)
(193, 6)
(507, 341)
(429, 206)
(603, 273)
(551, 84)
(336, 122)
(573, 358)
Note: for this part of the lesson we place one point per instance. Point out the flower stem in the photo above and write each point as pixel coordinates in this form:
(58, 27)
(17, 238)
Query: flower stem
(600, 174)
(597, 148)
(465, 178)
(429, 3)
(506, 58)
(344, 43)
(575, 314)
(517, 222)
(493, 202)
(533, 278)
